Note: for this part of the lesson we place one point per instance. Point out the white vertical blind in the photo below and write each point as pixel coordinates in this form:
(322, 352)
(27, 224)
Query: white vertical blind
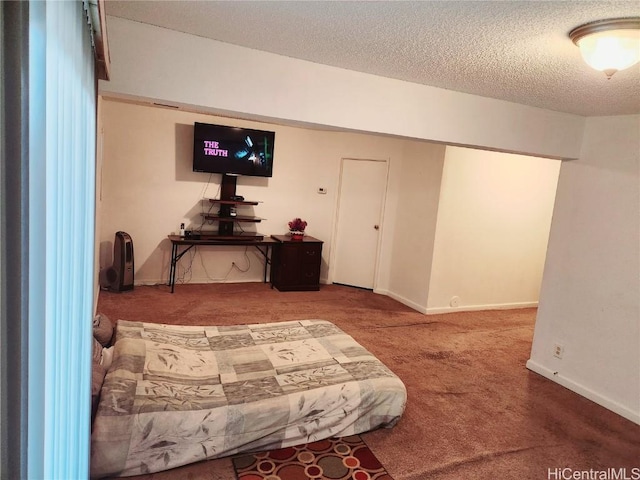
(61, 224)
(37, 235)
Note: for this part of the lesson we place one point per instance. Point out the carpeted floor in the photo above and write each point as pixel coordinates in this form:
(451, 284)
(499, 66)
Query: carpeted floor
(474, 411)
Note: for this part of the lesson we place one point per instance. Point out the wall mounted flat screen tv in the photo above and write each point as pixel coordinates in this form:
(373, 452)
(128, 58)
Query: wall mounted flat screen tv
(232, 150)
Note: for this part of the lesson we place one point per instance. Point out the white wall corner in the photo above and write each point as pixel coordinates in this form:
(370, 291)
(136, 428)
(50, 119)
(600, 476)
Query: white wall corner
(403, 300)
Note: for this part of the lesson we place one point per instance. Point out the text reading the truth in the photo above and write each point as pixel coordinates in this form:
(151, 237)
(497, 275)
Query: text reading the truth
(211, 149)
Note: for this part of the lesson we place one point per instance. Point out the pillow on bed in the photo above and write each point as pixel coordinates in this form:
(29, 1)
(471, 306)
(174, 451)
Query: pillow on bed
(97, 378)
(102, 329)
(97, 352)
(98, 372)
(107, 357)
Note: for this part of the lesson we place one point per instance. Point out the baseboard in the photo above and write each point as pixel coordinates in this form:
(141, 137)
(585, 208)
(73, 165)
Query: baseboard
(163, 281)
(467, 308)
(196, 281)
(403, 300)
(475, 308)
(584, 391)
(149, 283)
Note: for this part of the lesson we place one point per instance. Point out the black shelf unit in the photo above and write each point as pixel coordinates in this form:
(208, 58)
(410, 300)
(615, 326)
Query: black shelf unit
(226, 221)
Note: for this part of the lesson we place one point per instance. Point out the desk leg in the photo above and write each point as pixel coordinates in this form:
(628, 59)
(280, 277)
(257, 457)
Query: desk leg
(175, 258)
(172, 269)
(266, 262)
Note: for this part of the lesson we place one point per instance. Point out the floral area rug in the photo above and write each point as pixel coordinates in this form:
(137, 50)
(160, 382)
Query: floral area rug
(346, 458)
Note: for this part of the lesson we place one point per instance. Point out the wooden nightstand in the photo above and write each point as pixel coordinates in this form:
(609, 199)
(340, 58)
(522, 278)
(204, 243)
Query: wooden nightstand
(295, 264)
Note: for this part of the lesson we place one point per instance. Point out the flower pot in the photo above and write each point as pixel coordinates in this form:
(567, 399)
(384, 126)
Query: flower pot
(297, 236)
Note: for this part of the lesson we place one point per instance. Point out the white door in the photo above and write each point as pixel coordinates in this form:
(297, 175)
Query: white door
(362, 191)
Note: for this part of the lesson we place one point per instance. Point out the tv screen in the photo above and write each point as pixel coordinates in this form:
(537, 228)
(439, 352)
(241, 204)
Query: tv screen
(232, 150)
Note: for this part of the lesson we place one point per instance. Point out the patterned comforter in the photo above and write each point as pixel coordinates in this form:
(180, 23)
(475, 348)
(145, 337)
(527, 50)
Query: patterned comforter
(181, 394)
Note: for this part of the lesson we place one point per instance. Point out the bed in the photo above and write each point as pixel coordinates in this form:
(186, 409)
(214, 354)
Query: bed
(174, 395)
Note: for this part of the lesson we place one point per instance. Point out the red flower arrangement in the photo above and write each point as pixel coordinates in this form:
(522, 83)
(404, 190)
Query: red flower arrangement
(297, 225)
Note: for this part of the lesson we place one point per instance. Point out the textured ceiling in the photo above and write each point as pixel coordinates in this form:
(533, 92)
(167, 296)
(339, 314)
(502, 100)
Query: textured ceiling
(512, 50)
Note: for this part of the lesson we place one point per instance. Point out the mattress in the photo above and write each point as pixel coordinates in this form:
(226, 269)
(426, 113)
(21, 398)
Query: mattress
(181, 394)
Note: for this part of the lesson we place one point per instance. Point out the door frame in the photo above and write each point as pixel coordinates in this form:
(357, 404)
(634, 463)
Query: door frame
(334, 234)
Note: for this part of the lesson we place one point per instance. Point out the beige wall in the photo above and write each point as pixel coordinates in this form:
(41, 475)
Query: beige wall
(492, 230)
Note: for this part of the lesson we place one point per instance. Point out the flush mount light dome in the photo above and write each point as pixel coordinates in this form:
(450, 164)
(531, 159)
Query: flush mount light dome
(609, 45)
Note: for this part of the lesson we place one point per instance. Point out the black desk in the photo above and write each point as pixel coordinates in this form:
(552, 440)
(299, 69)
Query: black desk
(213, 240)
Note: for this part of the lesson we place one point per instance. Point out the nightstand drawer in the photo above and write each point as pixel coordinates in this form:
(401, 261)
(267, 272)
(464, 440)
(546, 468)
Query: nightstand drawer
(309, 274)
(311, 253)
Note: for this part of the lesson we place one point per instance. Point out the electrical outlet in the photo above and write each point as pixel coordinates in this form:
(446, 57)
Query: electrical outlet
(322, 190)
(558, 350)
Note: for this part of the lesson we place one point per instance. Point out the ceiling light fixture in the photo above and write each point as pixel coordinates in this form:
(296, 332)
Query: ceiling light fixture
(609, 45)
